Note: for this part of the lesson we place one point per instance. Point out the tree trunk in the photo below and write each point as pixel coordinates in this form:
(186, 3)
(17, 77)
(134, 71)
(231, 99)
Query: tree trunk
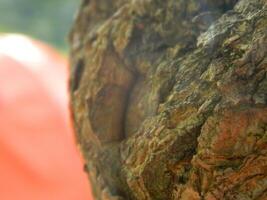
(169, 98)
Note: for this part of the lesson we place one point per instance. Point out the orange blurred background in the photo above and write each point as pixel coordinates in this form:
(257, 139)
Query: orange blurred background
(38, 156)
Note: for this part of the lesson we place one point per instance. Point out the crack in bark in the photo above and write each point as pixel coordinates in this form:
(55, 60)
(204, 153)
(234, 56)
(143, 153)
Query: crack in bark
(77, 73)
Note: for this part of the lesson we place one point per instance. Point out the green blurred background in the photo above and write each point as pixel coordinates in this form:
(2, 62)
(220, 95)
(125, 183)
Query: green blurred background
(47, 20)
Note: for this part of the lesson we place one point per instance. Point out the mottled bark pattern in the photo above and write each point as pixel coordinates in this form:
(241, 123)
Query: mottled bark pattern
(169, 98)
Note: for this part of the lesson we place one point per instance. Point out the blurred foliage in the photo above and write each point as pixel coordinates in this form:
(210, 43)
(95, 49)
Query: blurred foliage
(48, 20)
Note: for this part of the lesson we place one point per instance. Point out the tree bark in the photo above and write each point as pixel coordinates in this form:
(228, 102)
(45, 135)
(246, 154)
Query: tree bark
(169, 98)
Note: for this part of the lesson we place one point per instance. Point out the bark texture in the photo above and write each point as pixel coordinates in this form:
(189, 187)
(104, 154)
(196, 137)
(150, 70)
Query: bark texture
(169, 98)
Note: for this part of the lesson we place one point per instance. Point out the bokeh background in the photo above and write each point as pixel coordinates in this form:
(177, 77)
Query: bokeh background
(46, 20)
(39, 159)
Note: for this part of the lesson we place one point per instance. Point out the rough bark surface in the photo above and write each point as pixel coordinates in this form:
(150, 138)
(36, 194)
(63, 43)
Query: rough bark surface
(169, 98)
